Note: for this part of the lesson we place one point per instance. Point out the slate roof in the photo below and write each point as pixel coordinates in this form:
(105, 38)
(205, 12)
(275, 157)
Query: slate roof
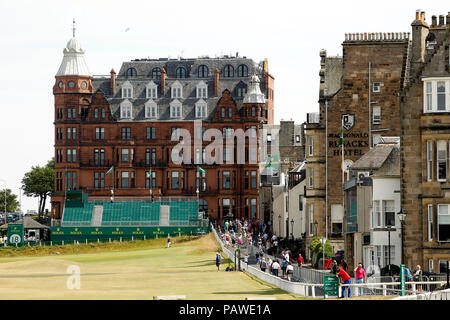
(377, 158)
(144, 68)
(29, 223)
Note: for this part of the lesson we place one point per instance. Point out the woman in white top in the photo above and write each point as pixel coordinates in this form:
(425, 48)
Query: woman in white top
(289, 271)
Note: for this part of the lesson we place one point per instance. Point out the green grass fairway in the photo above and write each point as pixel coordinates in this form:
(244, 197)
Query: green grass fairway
(141, 272)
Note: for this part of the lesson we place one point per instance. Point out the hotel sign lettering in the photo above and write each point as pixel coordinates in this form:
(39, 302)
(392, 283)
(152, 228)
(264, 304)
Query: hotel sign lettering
(355, 144)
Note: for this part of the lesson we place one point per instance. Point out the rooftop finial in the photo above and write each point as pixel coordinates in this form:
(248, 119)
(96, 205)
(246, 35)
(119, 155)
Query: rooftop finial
(73, 27)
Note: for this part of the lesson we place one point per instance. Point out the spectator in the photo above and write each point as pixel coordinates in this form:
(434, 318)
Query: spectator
(263, 265)
(408, 275)
(269, 264)
(169, 240)
(418, 277)
(345, 278)
(284, 264)
(218, 260)
(299, 260)
(334, 267)
(360, 275)
(275, 268)
(290, 271)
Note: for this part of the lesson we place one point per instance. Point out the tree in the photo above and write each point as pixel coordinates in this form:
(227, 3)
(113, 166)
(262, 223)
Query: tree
(317, 248)
(12, 205)
(39, 182)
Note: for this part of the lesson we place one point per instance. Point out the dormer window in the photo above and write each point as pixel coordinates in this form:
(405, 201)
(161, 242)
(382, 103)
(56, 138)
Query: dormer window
(181, 73)
(201, 109)
(203, 71)
(202, 90)
(127, 90)
(126, 109)
(176, 90)
(228, 71)
(151, 109)
(131, 72)
(175, 109)
(151, 90)
(242, 71)
(156, 72)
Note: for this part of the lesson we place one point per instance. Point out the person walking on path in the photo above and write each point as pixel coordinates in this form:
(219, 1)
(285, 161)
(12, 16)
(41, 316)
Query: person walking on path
(360, 275)
(345, 278)
(169, 240)
(218, 260)
(289, 271)
(299, 260)
(284, 265)
(263, 265)
(275, 268)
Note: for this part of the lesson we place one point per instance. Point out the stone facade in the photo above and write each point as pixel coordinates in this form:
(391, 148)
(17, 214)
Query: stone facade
(425, 128)
(346, 90)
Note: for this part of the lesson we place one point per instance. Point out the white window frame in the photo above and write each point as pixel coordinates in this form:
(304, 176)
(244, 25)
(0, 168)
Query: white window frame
(126, 109)
(432, 97)
(311, 220)
(176, 90)
(310, 177)
(376, 115)
(127, 90)
(151, 90)
(441, 159)
(430, 222)
(201, 109)
(310, 146)
(202, 90)
(377, 221)
(151, 109)
(376, 87)
(176, 109)
(439, 218)
(430, 160)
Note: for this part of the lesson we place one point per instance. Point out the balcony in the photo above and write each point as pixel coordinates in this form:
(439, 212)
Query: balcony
(96, 164)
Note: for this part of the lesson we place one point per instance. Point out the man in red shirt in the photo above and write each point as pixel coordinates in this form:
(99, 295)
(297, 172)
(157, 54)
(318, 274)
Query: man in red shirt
(345, 279)
(300, 260)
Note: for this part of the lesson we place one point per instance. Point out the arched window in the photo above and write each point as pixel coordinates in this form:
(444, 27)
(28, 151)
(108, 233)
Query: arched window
(156, 72)
(228, 71)
(242, 71)
(203, 71)
(131, 72)
(181, 72)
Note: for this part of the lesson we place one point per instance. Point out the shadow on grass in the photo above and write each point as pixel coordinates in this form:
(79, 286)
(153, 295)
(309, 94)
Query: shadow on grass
(267, 292)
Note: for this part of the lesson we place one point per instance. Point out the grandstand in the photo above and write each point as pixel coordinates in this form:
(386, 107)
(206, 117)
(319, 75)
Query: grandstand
(101, 216)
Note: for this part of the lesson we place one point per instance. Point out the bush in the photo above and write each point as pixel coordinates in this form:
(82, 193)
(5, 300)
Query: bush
(317, 249)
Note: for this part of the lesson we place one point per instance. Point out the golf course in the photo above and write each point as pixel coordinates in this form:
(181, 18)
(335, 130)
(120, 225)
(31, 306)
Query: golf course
(132, 270)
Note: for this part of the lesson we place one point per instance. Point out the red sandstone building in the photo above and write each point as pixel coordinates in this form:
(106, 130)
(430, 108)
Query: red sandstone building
(128, 121)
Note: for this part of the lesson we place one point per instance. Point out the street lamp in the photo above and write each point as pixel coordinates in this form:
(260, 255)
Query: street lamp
(279, 225)
(389, 248)
(402, 217)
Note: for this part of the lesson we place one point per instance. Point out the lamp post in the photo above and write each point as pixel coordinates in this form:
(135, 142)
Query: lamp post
(402, 217)
(279, 225)
(389, 248)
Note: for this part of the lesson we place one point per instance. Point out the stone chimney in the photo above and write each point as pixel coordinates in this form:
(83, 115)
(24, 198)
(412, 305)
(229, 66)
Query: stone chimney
(163, 81)
(216, 82)
(433, 21)
(112, 82)
(448, 18)
(441, 20)
(420, 31)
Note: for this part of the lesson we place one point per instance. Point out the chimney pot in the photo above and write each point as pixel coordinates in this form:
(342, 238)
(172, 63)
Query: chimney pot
(422, 16)
(418, 14)
(112, 81)
(433, 20)
(448, 18)
(441, 20)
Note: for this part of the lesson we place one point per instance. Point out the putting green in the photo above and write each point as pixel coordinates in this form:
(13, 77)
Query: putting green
(187, 268)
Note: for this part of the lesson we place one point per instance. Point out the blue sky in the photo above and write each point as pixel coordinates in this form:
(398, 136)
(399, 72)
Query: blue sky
(288, 33)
